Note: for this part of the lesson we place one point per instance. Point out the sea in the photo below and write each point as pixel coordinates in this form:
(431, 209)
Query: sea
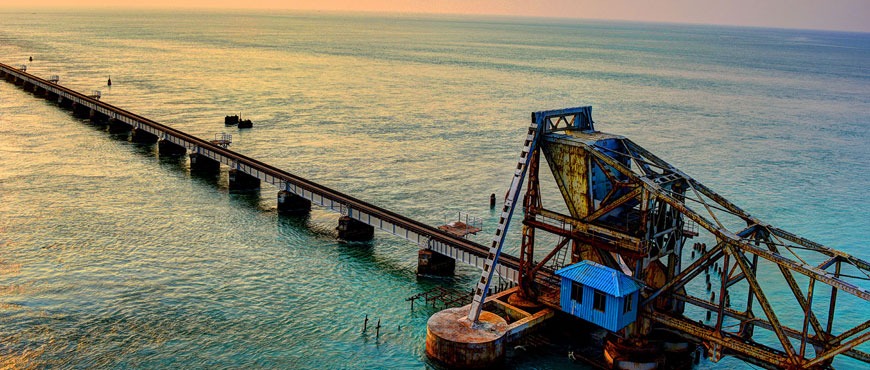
(112, 256)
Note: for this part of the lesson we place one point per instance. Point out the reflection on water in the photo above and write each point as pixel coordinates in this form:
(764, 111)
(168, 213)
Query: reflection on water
(116, 256)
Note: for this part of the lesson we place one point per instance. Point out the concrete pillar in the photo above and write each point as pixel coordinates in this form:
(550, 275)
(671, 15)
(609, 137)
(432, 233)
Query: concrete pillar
(242, 181)
(141, 136)
(432, 263)
(166, 147)
(117, 127)
(81, 111)
(292, 204)
(354, 231)
(452, 341)
(631, 354)
(203, 164)
(99, 118)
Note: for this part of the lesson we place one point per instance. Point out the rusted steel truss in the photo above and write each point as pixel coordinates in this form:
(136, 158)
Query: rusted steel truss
(642, 218)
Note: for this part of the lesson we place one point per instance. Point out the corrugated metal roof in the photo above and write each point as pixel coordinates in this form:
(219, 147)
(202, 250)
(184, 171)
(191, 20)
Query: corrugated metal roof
(600, 277)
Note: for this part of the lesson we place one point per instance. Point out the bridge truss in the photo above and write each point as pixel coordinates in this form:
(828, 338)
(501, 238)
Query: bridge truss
(632, 211)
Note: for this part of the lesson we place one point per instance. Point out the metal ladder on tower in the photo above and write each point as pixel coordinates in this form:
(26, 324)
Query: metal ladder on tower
(507, 211)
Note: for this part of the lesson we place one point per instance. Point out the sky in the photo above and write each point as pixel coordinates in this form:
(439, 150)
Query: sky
(843, 15)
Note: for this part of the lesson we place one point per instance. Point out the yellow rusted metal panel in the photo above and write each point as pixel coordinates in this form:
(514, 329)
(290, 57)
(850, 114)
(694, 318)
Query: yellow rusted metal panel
(570, 165)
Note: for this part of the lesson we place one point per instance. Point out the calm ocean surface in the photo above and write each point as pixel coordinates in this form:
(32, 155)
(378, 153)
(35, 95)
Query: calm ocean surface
(112, 257)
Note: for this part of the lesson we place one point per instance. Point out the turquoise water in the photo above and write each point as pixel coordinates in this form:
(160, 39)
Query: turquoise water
(113, 257)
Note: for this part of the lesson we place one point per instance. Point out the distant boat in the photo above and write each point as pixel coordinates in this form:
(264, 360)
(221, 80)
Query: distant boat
(110, 82)
(246, 123)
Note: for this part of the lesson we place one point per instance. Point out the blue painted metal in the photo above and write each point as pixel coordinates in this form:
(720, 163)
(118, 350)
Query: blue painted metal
(600, 185)
(582, 117)
(616, 287)
(600, 277)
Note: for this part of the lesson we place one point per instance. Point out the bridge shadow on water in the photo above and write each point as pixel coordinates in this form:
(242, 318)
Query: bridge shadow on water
(206, 177)
(172, 162)
(247, 198)
(366, 255)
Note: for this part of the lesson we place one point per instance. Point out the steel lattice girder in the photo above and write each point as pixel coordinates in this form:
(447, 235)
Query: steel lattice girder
(642, 187)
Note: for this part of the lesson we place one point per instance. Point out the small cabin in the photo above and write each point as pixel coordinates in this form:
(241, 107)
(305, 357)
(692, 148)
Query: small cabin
(599, 294)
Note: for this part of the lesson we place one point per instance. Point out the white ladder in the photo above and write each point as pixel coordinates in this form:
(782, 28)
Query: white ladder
(507, 211)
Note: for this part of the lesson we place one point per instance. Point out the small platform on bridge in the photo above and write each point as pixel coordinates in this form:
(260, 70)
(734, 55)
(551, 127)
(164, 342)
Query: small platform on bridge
(459, 228)
(463, 225)
(222, 140)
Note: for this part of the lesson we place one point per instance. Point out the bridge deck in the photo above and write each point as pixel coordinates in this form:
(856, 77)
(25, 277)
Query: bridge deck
(422, 234)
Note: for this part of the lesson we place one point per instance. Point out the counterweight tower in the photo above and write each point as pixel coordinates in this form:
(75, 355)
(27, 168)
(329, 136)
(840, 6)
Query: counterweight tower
(631, 212)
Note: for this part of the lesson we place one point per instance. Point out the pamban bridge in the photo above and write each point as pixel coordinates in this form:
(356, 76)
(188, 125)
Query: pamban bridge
(668, 268)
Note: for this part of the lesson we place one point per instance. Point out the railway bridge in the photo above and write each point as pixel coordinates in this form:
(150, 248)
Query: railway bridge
(295, 195)
(624, 229)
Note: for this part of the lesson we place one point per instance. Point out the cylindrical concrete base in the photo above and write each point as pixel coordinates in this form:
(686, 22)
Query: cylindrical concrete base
(621, 354)
(433, 263)
(166, 147)
(142, 136)
(352, 230)
(292, 204)
(451, 340)
(80, 111)
(242, 181)
(99, 118)
(117, 127)
(201, 163)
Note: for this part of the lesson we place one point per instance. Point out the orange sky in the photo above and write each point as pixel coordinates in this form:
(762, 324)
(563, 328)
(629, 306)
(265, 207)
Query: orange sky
(851, 15)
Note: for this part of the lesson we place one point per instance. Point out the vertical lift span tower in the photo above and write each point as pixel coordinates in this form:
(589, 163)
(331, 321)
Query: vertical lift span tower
(618, 259)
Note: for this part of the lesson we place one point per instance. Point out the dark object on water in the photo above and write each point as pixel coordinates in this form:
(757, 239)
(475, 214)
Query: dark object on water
(231, 120)
(492, 201)
(246, 123)
(110, 82)
(31, 58)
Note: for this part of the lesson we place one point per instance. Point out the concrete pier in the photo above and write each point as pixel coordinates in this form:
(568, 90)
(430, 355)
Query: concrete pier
(353, 230)
(117, 127)
(165, 147)
(203, 164)
(452, 340)
(99, 118)
(292, 204)
(80, 111)
(628, 354)
(433, 263)
(141, 136)
(242, 181)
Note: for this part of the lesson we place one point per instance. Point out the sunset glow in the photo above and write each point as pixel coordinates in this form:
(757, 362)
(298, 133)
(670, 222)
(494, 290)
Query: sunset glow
(849, 15)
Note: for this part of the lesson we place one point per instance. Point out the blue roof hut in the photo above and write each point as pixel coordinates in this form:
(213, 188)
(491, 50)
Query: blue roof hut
(599, 294)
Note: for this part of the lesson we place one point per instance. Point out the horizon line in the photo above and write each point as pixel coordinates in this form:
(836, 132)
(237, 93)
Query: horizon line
(32, 8)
